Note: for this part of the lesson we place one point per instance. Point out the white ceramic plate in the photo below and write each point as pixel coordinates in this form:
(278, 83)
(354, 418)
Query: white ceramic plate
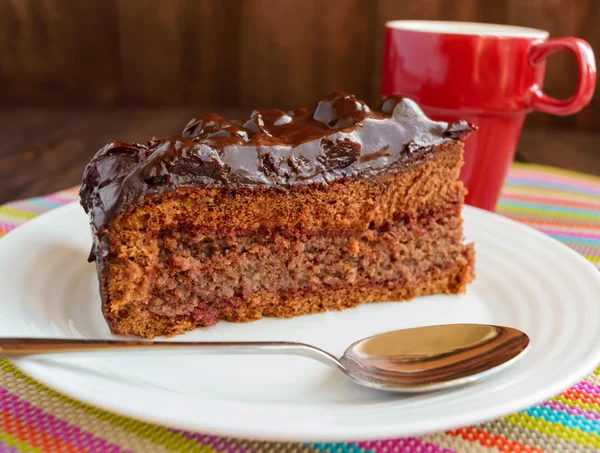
(524, 279)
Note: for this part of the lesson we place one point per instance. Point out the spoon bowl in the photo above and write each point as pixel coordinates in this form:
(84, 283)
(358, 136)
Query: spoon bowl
(420, 359)
(433, 357)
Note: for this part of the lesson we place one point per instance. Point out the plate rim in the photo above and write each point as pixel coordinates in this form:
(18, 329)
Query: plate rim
(295, 435)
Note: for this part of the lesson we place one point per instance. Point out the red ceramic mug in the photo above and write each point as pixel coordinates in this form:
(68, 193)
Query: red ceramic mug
(489, 75)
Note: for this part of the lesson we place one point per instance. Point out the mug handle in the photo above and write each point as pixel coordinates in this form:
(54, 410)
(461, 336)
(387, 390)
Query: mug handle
(586, 82)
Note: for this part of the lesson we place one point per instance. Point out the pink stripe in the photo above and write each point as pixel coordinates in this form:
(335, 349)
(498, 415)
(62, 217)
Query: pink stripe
(571, 410)
(402, 444)
(536, 175)
(6, 449)
(587, 387)
(220, 444)
(58, 199)
(574, 234)
(567, 230)
(5, 227)
(48, 423)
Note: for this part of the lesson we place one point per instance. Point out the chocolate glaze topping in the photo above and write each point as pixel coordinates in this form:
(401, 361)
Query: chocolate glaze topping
(342, 137)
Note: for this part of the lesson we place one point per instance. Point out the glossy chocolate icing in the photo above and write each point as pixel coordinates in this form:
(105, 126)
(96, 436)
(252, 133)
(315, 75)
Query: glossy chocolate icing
(342, 137)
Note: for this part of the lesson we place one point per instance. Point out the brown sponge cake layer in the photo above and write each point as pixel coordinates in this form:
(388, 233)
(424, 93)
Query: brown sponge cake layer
(188, 273)
(139, 321)
(359, 204)
(209, 267)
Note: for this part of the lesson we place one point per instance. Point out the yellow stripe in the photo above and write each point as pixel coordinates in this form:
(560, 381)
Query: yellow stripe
(17, 213)
(157, 434)
(591, 258)
(23, 447)
(554, 429)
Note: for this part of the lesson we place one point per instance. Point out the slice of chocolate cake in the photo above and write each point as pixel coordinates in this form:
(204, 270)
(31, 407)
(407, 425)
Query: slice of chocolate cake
(282, 214)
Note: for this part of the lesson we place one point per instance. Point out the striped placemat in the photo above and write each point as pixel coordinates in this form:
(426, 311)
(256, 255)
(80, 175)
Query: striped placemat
(565, 205)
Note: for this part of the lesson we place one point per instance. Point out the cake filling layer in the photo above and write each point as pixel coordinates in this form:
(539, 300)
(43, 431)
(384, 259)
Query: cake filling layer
(201, 273)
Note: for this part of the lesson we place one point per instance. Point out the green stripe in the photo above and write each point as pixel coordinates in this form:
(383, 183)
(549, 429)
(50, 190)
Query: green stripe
(595, 260)
(568, 402)
(12, 441)
(7, 210)
(554, 429)
(156, 434)
(547, 214)
(512, 204)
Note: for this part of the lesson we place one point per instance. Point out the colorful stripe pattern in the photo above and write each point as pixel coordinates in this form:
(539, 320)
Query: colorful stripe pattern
(565, 205)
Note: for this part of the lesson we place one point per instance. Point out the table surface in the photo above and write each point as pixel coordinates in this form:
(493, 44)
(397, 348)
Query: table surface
(45, 150)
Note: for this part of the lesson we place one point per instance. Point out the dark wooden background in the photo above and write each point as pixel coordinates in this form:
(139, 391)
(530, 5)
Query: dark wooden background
(157, 53)
(75, 74)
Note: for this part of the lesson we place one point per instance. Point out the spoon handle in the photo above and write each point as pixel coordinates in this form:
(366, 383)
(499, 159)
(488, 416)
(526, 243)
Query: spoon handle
(11, 347)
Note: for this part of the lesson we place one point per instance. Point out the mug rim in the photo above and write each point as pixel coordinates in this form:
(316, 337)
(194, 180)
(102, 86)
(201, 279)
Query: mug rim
(442, 27)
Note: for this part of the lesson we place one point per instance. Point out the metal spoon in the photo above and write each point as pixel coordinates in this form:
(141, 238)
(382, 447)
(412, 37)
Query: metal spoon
(410, 361)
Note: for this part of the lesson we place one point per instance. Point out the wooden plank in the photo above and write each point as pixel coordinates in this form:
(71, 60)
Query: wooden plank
(46, 150)
(242, 52)
(57, 52)
(571, 150)
(292, 52)
(180, 52)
